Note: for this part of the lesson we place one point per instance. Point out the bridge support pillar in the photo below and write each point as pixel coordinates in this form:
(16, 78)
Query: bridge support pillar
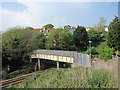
(57, 64)
(42, 65)
(30, 59)
(38, 63)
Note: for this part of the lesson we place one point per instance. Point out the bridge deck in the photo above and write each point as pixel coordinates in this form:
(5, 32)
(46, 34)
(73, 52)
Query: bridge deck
(62, 56)
(55, 52)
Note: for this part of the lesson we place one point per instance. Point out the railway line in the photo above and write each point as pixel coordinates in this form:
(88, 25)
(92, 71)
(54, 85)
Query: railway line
(18, 79)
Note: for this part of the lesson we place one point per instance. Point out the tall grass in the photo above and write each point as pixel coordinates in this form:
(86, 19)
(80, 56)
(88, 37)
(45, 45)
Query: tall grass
(70, 78)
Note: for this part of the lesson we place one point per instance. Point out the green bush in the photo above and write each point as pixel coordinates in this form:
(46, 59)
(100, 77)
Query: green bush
(105, 53)
(70, 78)
(102, 51)
(93, 51)
(27, 68)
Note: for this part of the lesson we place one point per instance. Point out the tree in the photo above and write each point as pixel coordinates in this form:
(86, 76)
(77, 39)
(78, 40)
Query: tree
(41, 39)
(50, 39)
(64, 41)
(100, 27)
(17, 45)
(81, 38)
(114, 34)
(94, 36)
(55, 41)
(105, 52)
(48, 26)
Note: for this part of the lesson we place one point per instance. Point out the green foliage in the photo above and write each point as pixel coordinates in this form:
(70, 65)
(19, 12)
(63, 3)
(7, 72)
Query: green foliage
(40, 40)
(102, 51)
(50, 38)
(25, 69)
(105, 34)
(114, 34)
(105, 53)
(17, 45)
(94, 36)
(101, 78)
(48, 26)
(81, 38)
(70, 78)
(65, 40)
(93, 51)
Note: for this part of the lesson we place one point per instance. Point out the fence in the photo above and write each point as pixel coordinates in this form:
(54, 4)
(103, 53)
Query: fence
(82, 59)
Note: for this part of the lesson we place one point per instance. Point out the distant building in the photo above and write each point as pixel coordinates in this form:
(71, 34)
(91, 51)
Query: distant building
(44, 30)
(88, 28)
(72, 28)
(106, 28)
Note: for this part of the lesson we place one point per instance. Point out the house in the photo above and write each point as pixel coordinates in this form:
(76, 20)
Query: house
(72, 29)
(88, 28)
(106, 28)
(44, 30)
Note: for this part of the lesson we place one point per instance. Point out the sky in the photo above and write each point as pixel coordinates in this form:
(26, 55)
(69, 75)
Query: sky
(36, 14)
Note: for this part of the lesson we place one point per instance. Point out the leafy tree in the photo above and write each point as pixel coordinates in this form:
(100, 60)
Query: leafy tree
(38, 41)
(48, 26)
(114, 34)
(105, 34)
(81, 38)
(105, 53)
(17, 45)
(93, 51)
(50, 39)
(65, 40)
(94, 36)
(55, 41)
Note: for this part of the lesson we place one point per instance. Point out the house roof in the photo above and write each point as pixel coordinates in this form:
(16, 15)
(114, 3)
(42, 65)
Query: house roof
(45, 31)
(38, 29)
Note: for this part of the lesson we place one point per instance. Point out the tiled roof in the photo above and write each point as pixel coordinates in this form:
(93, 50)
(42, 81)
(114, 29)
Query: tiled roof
(45, 31)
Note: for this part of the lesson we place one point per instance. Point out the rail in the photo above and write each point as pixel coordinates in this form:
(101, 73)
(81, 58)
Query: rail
(18, 79)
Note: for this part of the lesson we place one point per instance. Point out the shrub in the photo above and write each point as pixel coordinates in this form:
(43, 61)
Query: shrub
(70, 78)
(93, 51)
(25, 69)
(105, 53)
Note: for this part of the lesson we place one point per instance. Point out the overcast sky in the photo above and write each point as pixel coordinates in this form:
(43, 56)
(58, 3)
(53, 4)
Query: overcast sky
(37, 14)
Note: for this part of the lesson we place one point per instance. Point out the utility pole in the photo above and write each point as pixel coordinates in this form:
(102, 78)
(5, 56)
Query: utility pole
(90, 49)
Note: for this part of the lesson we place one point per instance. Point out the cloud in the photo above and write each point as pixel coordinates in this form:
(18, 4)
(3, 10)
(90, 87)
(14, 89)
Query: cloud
(32, 16)
(36, 15)
(59, 21)
(11, 19)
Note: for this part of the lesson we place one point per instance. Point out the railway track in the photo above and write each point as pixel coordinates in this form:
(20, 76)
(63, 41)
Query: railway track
(18, 79)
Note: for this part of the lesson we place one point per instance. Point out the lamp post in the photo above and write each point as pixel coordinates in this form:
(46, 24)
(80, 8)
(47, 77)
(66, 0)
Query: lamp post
(90, 48)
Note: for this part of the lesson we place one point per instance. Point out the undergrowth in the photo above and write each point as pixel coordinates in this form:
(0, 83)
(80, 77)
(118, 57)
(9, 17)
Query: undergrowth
(70, 78)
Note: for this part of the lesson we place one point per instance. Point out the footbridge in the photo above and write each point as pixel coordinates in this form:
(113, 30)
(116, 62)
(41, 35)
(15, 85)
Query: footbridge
(73, 58)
